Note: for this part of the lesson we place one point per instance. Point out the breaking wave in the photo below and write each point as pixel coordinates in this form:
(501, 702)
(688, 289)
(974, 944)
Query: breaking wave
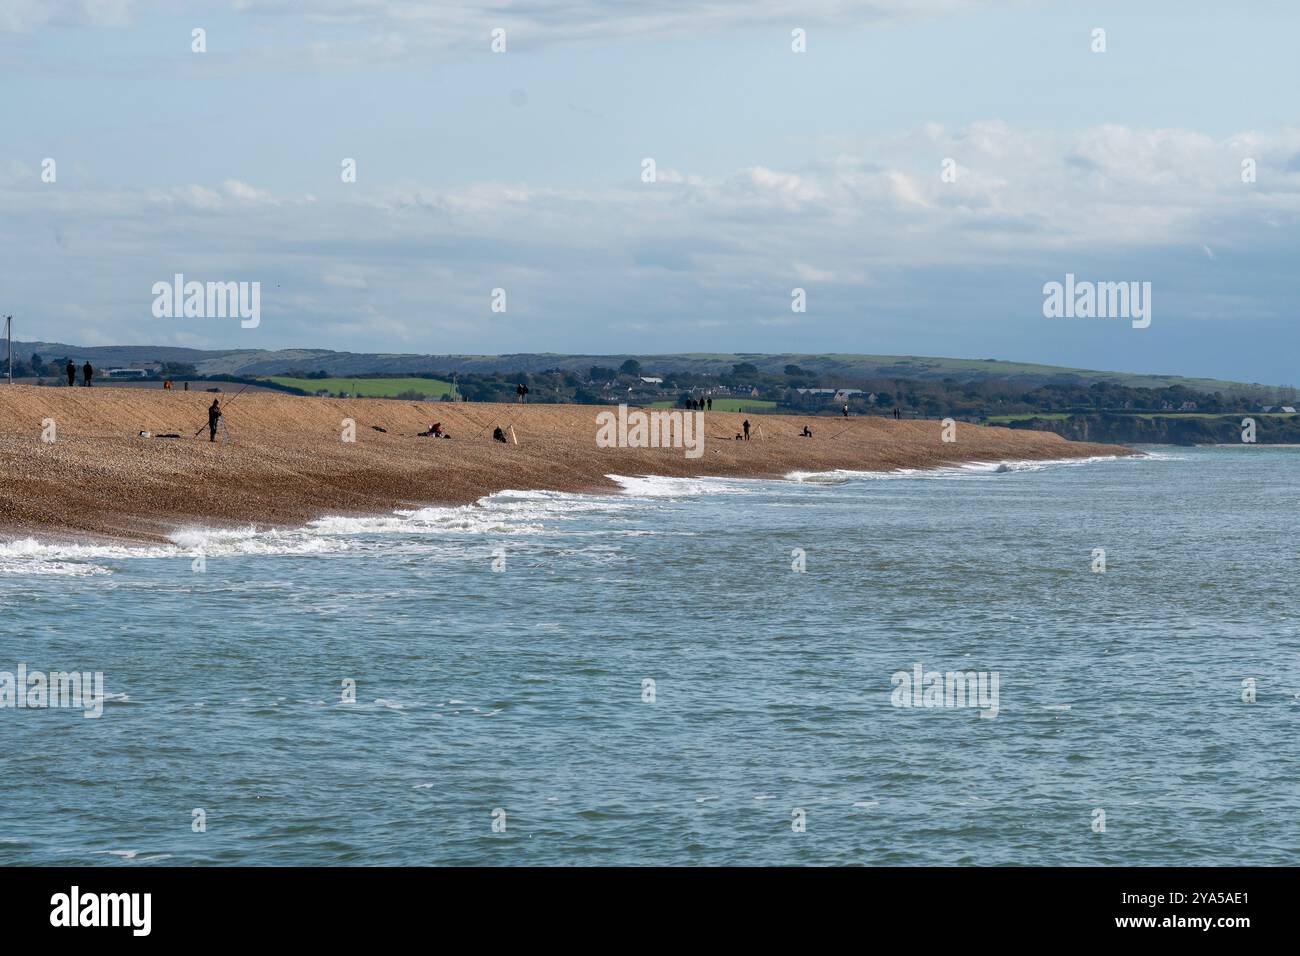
(974, 469)
(507, 513)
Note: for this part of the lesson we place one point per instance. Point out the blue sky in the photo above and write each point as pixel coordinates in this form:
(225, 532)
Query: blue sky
(776, 170)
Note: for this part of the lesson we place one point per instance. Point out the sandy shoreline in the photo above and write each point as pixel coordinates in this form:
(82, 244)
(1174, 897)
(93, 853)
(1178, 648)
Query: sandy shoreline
(287, 464)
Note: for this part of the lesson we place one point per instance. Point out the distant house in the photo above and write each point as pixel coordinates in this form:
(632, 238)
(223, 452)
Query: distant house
(127, 373)
(1287, 410)
(651, 380)
(844, 394)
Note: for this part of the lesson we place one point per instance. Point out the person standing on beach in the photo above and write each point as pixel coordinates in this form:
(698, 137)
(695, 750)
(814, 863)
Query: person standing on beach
(87, 373)
(214, 418)
(709, 401)
(846, 409)
(72, 374)
(745, 425)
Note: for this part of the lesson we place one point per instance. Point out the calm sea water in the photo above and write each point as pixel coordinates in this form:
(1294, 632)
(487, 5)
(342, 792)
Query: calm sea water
(523, 690)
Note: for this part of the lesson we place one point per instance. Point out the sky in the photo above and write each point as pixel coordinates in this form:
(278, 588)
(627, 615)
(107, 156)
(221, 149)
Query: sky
(920, 170)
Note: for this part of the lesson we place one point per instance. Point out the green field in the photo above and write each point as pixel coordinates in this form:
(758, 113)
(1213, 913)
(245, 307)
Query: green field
(728, 405)
(432, 388)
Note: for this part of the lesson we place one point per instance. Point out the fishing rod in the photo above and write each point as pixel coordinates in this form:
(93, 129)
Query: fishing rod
(228, 404)
(478, 434)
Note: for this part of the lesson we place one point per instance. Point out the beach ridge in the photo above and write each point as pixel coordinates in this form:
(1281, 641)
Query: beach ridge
(73, 464)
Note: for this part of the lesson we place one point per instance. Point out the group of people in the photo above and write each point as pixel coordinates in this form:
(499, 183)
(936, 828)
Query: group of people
(435, 431)
(699, 404)
(87, 374)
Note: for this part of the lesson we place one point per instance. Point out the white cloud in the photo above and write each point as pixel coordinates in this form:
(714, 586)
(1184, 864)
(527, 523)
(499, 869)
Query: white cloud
(419, 262)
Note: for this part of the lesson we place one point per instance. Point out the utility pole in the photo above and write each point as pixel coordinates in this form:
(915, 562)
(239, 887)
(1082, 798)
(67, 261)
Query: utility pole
(9, 337)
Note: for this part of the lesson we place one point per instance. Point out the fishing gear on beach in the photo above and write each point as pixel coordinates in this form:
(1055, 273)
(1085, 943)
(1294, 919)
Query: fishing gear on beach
(220, 418)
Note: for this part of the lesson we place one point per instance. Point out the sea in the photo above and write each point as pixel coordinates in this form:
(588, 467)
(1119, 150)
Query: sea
(1054, 663)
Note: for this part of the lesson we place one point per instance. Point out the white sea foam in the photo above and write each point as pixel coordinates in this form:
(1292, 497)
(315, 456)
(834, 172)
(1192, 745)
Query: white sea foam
(29, 556)
(660, 486)
(973, 469)
(507, 513)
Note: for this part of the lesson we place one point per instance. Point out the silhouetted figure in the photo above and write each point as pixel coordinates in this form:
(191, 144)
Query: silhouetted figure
(521, 392)
(72, 374)
(499, 435)
(745, 425)
(87, 373)
(846, 409)
(710, 404)
(806, 433)
(897, 413)
(214, 418)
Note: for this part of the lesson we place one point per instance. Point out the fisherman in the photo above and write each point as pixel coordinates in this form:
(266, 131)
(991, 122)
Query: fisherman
(72, 374)
(87, 373)
(214, 417)
(499, 435)
(806, 433)
(745, 425)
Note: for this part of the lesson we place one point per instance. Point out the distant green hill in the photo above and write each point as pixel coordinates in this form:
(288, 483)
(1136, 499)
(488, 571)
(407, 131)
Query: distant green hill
(831, 369)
